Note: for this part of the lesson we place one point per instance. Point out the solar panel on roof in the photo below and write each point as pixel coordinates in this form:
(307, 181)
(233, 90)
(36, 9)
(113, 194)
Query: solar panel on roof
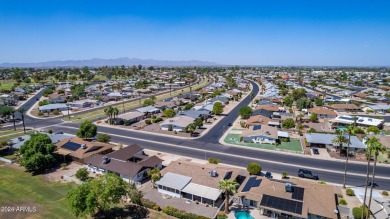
(281, 204)
(252, 182)
(298, 193)
(71, 146)
(256, 127)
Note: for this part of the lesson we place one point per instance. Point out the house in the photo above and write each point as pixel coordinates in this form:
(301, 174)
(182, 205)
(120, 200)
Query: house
(130, 163)
(269, 107)
(178, 123)
(148, 110)
(222, 99)
(322, 112)
(85, 103)
(199, 184)
(345, 107)
(262, 112)
(261, 120)
(51, 107)
(16, 143)
(195, 113)
(289, 199)
(78, 149)
(162, 105)
(326, 140)
(131, 117)
(377, 108)
(260, 134)
(56, 98)
(345, 120)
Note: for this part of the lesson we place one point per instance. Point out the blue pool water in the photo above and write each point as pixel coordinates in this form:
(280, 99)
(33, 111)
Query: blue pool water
(341, 128)
(243, 215)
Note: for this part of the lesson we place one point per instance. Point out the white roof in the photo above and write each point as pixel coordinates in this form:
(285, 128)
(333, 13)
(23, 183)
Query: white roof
(327, 139)
(53, 106)
(361, 120)
(174, 181)
(114, 94)
(283, 134)
(202, 191)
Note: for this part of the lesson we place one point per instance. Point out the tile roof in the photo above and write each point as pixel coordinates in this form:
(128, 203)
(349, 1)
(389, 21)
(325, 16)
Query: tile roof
(80, 153)
(347, 106)
(265, 130)
(322, 110)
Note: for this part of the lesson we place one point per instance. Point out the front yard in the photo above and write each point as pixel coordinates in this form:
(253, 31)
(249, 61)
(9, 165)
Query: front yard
(293, 146)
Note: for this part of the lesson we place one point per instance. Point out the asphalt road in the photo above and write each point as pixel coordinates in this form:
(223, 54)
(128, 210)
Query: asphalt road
(208, 146)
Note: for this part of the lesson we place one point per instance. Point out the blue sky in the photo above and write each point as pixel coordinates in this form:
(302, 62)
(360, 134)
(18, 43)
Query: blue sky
(227, 32)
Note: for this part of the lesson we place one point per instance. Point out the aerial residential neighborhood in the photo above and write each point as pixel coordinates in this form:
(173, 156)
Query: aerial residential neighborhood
(195, 109)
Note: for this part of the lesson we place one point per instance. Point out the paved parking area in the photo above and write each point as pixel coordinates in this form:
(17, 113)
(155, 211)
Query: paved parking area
(179, 203)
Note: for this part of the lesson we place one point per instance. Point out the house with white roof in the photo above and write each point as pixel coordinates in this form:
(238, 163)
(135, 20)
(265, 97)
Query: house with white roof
(52, 107)
(345, 120)
(178, 123)
(326, 140)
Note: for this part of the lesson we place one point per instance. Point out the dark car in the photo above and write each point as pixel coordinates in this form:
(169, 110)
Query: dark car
(304, 173)
(230, 124)
(315, 151)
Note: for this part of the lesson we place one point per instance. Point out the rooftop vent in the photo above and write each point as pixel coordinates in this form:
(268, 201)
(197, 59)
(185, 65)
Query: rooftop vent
(83, 146)
(289, 187)
(213, 173)
(106, 159)
(267, 133)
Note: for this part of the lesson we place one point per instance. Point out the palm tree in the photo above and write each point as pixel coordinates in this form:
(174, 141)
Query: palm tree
(13, 118)
(252, 95)
(376, 148)
(351, 131)
(109, 111)
(191, 128)
(340, 140)
(115, 112)
(355, 118)
(228, 187)
(22, 111)
(369, 142)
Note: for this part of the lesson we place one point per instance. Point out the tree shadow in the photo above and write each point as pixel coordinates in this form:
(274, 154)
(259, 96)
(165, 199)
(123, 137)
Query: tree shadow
(128, 211)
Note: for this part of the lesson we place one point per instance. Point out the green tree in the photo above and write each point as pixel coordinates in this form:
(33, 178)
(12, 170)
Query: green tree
(154, 175)
(313, 117)
(105, 138)
(148, 102)
(109, 111)
(360, 212)
(288, 123)
(319, 102)
(288, 101)
(6, 111)
(198, 122)
(298, 93)
(191, 128)
(188, 106)
(169, 113)
(217, 108)
(373, 129)
(22, 111)
(82, 174)
(228, 187)
(37, 153)
(87, 130)
(253, 168)
(245, 112)
(304, 103)
(214, 160)
(96, 195)
(339, 140)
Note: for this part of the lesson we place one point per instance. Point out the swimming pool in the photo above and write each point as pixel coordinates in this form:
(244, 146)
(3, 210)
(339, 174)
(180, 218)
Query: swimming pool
(243, 215)
(342, 128)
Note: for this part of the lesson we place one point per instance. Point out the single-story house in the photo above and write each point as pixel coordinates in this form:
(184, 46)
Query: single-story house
(261, 120)
(148, 110)
(346, 120)
(78, 149)
(130, 163)
(57, 98)
(289, 199)
(164, 105)
(347, 107)
(85, 103)
(199, 184)
(260, 134)
(195, 113)
(131, 117)
(377, 108)
(269, 107)
(326, 140)
(178, 123)
(322, 112)
(19, 141)
(52, 107)
(222, 99)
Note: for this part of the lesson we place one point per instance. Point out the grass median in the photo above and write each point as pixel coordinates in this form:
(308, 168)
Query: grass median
(98, 114)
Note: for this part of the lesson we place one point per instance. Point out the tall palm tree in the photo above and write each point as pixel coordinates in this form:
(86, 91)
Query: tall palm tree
(228, 187)
(191, 128)
(22, 111)
(13, 117)
(355, 118)
(369, 142)
(115, 112)
(377, 148)
(340, 140)
(109, 111)
(351, 131)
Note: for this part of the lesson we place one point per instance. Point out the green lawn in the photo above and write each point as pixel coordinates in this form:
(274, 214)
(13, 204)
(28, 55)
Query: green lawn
(18, 188)
(293, 146)
(96, 114)
(9, 134)
(6, 85)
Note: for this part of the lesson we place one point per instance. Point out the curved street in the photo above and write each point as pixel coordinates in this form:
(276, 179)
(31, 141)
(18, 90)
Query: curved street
(208, 146)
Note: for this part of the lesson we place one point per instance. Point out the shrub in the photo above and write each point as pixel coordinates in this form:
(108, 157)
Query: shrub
(121, 122)
(180, 214)
(385, 193)
(127, 123)
(82, 174)
(214, 160)
(253, 168)
(322, 182)
(350, 192)
(103, 138)
(148, 122)
(56, 112)
(149, 204)
(50, 131)
(175, 132)
(222, 216)
(40, 113)
(343, 202)
(154, 117)
(156, 120)
(63, 165)
(284, 175)
(3, 143)
(357, 212)
(170, 128)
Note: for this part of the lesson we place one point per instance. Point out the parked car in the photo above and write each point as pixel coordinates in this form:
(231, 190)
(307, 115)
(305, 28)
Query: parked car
(230, 124)
(304, 173)
(315, 151)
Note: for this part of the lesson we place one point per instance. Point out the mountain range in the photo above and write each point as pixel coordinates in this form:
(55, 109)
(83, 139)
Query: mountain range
(96, 62)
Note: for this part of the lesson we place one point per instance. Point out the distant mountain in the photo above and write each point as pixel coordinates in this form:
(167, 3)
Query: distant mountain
(110, 62)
